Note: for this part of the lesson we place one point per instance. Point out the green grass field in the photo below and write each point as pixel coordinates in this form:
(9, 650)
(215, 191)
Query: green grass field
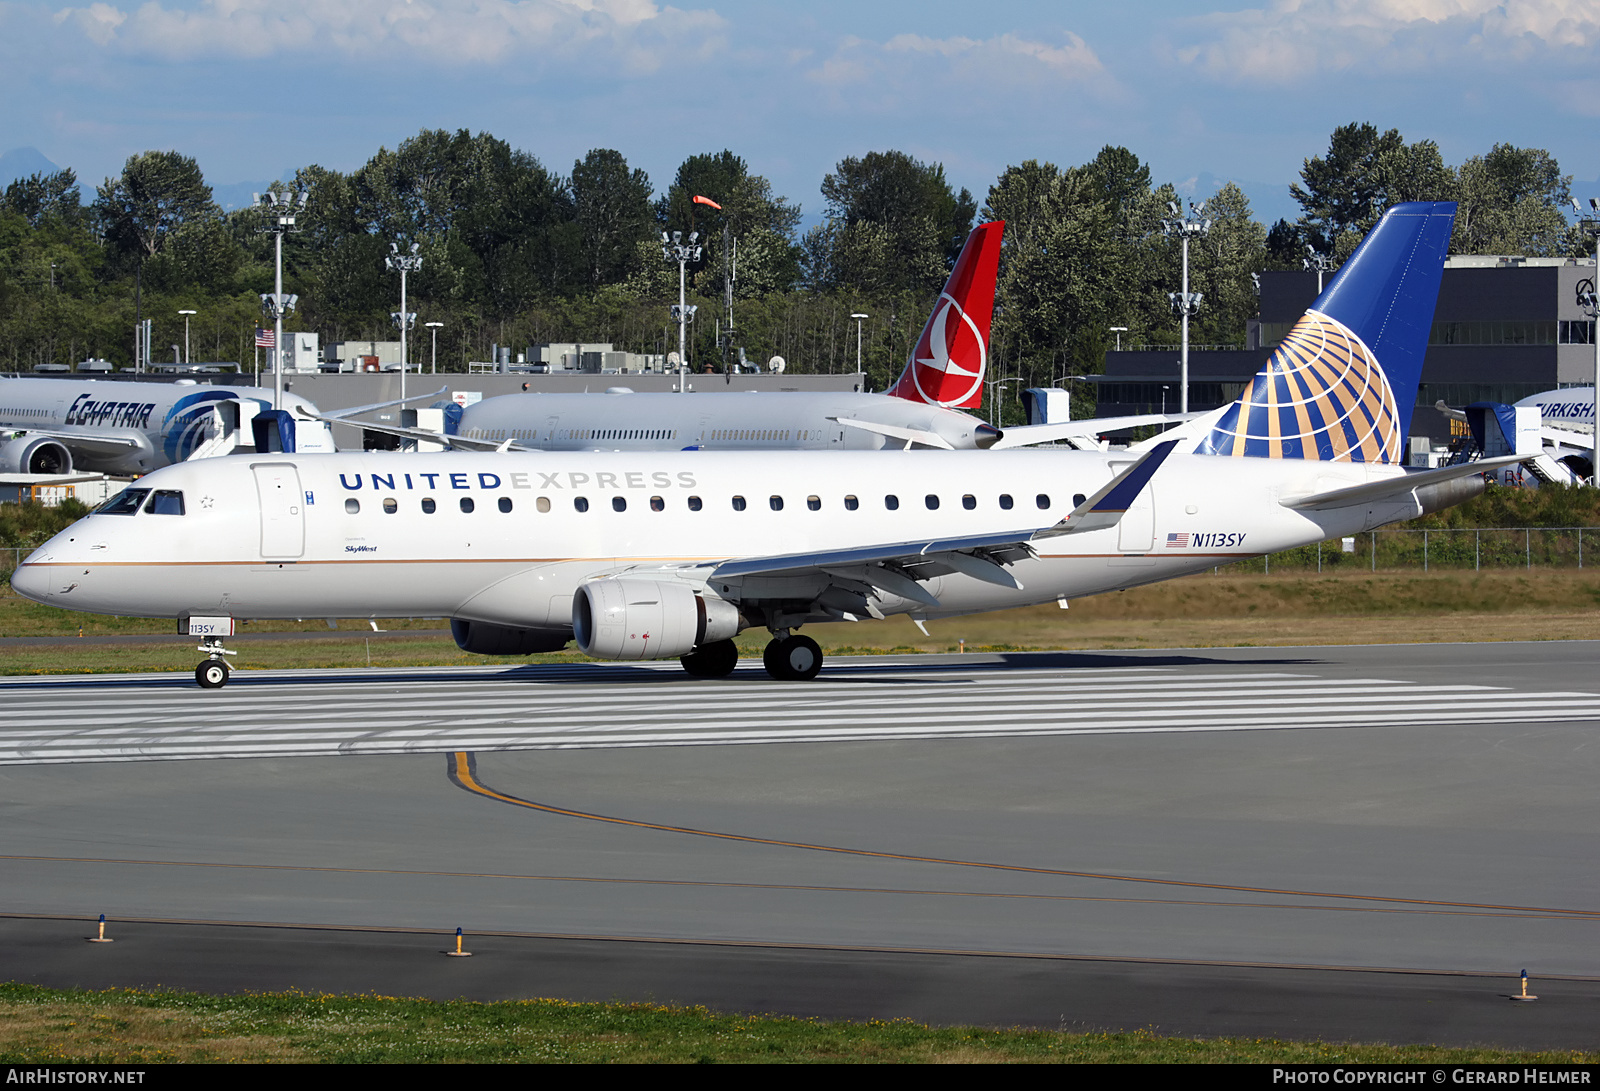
(1230, 609)
(133, 1027)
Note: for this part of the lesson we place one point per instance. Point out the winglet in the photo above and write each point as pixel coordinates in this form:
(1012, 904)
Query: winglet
(947, 365)
(1107, 507)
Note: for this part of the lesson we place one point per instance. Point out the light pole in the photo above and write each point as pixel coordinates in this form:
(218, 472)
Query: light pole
(1322, 263)
(859, 319)
(673, 248)
(1119, 331)
(1589, 303)
(434, 366)
(1185, 303)
(186, 315)
(282, 207)
(408, 261)
(995, 395)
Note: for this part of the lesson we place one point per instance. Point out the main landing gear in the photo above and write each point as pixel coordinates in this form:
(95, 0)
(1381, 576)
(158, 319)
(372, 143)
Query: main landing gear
(792, 658)
(714, 660)
(789, 658)
(213, 673)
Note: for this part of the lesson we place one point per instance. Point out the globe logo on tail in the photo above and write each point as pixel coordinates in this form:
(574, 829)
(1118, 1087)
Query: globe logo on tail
(948, 364)
(1322, 396)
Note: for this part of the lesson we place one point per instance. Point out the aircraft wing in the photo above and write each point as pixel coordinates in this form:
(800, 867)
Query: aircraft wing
(1023, 435)
(90, 443)
(422, 435)
(852, 576)
(1395, 488)
(845, 581)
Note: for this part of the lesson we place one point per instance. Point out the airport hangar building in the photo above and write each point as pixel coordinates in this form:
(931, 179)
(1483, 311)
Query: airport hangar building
(1505, 328)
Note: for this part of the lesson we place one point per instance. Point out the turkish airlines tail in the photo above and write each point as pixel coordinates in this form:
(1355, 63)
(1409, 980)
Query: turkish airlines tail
(946, 368)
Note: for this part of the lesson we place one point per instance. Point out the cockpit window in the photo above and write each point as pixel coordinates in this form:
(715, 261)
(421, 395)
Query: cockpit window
(125, 502)
(165, 502)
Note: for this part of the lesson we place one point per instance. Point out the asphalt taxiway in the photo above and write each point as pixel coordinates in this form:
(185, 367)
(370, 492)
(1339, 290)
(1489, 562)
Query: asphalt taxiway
(1211, 823)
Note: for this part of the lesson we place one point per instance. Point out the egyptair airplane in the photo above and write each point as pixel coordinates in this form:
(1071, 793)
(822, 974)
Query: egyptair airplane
(944, 375)
(53, 426)
(642, 555)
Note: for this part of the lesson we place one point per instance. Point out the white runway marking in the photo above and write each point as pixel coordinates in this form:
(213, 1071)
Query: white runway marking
(307, 714)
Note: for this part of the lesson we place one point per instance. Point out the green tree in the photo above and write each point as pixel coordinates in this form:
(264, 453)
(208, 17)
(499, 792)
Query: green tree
(1365, 172)
(157, 194)
(41, 198)
(613, 213)
(1511, 201)
(753, 221)
(893, 222)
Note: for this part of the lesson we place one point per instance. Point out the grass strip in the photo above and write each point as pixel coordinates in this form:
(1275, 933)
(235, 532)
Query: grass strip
(129, 1026)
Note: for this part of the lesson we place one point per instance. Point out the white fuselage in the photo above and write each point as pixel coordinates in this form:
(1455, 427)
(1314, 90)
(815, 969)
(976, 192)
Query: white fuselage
(742, 420)
(385, 535)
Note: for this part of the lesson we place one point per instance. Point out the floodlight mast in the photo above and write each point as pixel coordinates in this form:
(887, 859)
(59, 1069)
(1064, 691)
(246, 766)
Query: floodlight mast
(281, 207)
(186, 315)
(1185, 303)
(1589, 304)
(407, 261)
(859, 317)
(673, 248)
(1322, 263)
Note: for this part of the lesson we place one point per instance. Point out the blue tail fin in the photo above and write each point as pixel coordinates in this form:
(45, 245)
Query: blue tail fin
(1342, 385)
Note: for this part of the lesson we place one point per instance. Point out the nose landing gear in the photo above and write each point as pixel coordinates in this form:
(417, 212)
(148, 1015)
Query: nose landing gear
(213, 673)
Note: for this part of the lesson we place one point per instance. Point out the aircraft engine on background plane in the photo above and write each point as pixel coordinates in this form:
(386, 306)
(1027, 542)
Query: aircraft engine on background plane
(617, 618)
(34, 455)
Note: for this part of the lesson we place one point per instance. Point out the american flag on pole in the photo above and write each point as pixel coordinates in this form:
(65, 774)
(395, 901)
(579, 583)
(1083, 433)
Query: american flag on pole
(264, 338)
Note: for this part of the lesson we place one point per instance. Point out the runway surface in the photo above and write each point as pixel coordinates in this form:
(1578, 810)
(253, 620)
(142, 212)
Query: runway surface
(1410, 808)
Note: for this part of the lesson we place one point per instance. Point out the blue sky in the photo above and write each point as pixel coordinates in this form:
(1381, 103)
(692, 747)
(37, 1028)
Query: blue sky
(1242, 91)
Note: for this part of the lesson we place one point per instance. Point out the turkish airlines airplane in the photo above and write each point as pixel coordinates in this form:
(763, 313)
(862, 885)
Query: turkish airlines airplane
(54, 426)
(944, 375)
(647, 555)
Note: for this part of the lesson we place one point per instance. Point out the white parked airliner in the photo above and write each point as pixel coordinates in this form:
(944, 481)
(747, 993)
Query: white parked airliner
(643, 555)
(943, 375)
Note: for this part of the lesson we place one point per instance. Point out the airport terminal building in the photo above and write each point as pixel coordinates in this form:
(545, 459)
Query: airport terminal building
(1505, 328)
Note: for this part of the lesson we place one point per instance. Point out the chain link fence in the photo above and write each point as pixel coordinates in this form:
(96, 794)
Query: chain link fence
(1445, 550)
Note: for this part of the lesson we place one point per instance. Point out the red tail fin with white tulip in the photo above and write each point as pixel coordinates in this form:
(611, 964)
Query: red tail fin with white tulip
(946, 367)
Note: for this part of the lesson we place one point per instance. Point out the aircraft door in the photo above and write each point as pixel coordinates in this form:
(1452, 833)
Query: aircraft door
(283, 523)
(1136, 531)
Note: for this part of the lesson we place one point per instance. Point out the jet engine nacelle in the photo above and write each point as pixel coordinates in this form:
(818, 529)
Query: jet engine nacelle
(35, 455)
(617, 618)
(485, 639)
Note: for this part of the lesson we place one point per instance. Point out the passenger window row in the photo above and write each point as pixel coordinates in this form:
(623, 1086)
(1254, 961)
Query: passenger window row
(891, 502)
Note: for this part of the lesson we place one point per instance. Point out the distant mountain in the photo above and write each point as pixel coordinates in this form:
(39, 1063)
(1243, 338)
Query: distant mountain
(1269, 201)
(22, 162)
(233, 195)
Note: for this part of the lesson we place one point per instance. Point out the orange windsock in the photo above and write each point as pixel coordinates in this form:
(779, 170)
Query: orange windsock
(699, 200)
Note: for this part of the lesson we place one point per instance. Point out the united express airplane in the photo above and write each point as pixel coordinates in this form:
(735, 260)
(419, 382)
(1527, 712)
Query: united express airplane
(643, 555)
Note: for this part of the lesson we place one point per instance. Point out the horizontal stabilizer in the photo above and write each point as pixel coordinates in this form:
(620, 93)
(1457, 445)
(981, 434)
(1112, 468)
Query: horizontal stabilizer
(1107, 507)
(895, 431)
(339, 416)
(1026, 434)
(422, 435)
(1394, 488)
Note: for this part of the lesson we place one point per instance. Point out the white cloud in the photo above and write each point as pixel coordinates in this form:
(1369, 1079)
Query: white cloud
(913, 67)
(535, 33)
(1295, 40)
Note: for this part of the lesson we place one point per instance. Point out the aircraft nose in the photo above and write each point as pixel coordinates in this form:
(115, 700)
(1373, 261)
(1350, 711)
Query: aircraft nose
(31, 581)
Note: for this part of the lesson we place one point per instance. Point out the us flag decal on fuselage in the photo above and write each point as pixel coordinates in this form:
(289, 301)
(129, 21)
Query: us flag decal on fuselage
(1177, 541)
